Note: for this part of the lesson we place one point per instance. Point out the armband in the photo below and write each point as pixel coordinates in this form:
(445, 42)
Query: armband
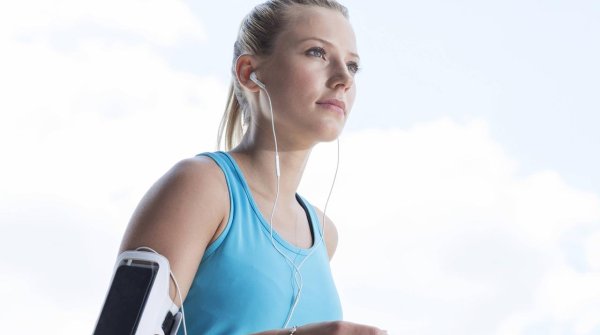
(138, 301)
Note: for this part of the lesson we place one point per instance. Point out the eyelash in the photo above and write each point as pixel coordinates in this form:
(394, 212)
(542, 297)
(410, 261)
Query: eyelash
(320, 50)
(352, 66)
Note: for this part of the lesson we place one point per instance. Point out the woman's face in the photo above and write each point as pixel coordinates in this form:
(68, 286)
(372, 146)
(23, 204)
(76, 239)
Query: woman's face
(310, 75)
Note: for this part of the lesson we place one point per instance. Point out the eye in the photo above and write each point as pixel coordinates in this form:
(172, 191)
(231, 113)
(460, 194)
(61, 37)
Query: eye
(353, 67)
(316, 52)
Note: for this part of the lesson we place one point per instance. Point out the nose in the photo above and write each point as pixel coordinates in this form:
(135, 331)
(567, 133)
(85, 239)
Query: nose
(340, 76)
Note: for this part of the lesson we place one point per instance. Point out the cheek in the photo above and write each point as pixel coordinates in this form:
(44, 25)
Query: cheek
(305, 77)
(303, 71)
(301, 86)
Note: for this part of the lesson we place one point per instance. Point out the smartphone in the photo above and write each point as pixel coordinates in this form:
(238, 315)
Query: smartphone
(126, 298)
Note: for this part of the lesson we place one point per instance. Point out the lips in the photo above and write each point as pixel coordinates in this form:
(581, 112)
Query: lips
(333, 104)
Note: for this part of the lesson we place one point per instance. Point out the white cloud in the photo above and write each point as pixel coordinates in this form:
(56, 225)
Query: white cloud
(42, 315)
(86, 114)
(439, 233)
(592, 247)
(159, 22)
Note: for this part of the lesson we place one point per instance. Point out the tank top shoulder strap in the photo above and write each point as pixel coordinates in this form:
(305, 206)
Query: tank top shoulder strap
(224, 162)
(236, 189)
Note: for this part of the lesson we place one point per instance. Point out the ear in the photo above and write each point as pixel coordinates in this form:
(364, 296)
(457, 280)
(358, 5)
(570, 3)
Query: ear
(244, 66)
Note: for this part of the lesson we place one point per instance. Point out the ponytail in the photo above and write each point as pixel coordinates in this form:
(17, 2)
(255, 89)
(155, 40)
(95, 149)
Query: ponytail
(230, 129)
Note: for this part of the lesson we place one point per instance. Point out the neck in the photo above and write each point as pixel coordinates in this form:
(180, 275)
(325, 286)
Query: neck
(257, 161)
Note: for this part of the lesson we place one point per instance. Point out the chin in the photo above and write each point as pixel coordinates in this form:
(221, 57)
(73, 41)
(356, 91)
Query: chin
(331, 134)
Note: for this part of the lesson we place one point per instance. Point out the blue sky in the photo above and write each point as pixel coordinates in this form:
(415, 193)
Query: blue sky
(483, 216)
(527, 67)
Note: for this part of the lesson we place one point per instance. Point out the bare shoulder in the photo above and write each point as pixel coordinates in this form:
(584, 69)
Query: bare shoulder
(331, 233)
(180, 214)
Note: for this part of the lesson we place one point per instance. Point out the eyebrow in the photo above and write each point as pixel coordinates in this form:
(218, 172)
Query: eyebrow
(353, 54)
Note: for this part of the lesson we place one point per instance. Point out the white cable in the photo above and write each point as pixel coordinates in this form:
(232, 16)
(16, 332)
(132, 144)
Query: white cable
(337, 165)
(320, 240)
(297, 274)
(181, 301)
(176, 288)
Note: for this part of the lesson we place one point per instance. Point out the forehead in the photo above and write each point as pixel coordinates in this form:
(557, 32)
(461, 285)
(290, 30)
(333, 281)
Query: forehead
(317, 22)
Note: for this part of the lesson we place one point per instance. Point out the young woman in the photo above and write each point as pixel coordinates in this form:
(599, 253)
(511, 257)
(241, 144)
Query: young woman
(250, 255)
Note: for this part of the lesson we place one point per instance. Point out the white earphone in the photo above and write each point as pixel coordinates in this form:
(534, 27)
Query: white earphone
(255, 80)
(295, 268)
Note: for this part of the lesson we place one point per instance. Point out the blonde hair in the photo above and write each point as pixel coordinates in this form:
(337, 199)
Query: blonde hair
(256, 36)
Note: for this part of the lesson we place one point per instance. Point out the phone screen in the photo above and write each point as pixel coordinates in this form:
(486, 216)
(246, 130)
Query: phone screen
(126, 299)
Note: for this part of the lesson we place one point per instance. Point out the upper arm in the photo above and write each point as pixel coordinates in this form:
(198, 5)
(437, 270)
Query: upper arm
(331, 234)
(179, 216)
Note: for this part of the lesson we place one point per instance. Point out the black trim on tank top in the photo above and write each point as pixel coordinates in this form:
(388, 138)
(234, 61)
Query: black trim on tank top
(310, 221)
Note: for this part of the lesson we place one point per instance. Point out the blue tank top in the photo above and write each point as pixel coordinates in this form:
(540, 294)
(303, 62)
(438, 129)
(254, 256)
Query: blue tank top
(243, 285)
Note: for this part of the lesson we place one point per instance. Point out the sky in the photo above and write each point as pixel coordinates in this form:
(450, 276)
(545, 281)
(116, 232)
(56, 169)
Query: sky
(468, 197)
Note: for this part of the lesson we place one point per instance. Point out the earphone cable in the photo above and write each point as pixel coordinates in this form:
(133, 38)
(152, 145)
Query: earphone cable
(301, 285)
(297, 274)
(296, 269)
